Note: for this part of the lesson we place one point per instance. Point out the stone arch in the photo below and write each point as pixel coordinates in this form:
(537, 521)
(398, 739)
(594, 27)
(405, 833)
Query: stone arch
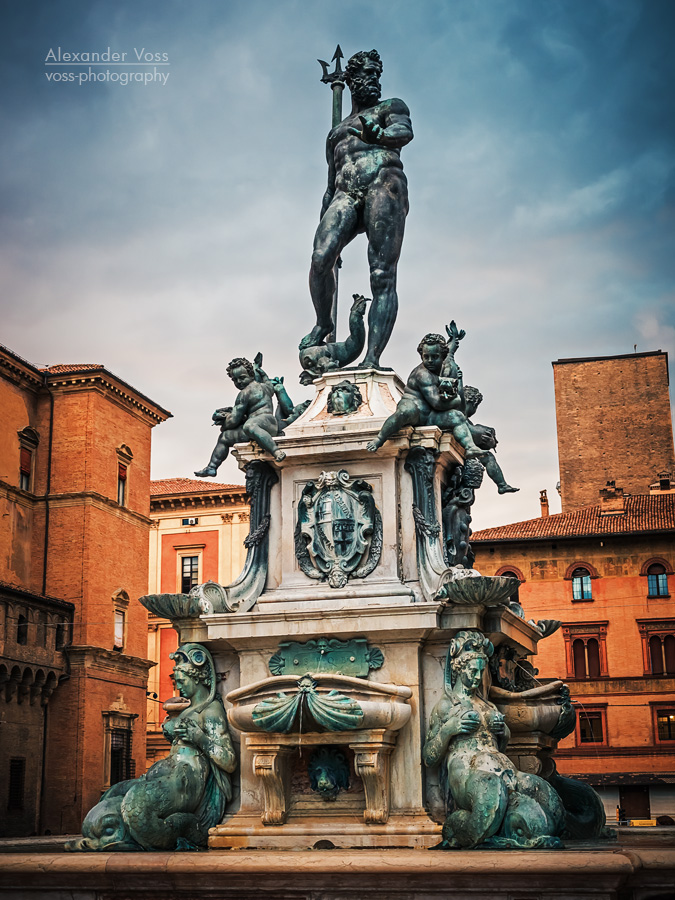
(124, 453)
(503, 570)
(656, 561)
(29, 436)
(580, 564)
(38, 684)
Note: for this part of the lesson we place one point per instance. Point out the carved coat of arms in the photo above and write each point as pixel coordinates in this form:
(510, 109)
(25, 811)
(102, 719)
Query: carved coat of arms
(339, 529)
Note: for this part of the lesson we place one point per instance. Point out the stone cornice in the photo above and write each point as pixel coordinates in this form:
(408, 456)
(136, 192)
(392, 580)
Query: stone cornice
(200, 501)
(17, 495)
(591, 751)
(72, 498)
(110, 385)
(93, 498)
(111, 661)
(20, 371)
(649, 684)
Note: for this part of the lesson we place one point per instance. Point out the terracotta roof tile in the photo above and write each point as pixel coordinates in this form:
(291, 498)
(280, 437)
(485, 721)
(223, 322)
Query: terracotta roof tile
(63, 368)
(166, 486)
(642, 513)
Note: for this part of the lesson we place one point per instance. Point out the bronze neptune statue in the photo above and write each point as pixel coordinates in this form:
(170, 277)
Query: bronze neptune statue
(367, 192)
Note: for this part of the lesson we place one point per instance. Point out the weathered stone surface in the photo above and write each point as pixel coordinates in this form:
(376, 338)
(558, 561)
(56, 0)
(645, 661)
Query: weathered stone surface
(629, 874)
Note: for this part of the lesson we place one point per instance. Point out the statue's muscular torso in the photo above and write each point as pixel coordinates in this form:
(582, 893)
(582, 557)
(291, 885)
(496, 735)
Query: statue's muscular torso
(358, 164)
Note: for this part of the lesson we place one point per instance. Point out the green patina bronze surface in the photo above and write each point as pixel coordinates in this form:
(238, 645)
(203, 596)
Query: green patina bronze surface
(367, 192)
(252, 417)
(332, 711)
(316, 361)
(175, 803)
(344, 399)
(494, 805)
(328, 771)
(326, 655)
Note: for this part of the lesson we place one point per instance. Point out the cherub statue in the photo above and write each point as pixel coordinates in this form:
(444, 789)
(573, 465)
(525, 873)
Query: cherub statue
(495, 805)
(485, 438)
(251, 418)
(431, 398)
(175, 803)
(319, 358)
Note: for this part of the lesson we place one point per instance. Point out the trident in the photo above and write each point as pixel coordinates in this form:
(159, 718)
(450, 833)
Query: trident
(336, 80)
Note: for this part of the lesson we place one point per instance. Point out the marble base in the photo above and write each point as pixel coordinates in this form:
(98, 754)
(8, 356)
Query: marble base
(393, 874)
(415, 830)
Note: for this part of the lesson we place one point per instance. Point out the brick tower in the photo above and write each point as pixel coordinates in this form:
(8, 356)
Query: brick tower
(614, 424)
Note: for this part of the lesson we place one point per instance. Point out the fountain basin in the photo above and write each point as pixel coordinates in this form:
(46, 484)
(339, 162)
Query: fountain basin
(287, 704)
(472, 590)
(539, 709)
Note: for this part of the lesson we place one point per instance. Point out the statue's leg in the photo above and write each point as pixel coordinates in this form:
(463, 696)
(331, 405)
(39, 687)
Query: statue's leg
(384, 217)
(258, 429)
(406, 414)
(219, 454)
(488, 798)
(461, 432)
(494, 471)
(336, 229)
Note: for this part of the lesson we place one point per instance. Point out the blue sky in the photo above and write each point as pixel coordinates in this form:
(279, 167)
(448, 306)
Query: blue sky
(163, 229)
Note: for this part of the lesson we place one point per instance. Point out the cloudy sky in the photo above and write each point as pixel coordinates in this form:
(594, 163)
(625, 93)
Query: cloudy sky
(163, 228)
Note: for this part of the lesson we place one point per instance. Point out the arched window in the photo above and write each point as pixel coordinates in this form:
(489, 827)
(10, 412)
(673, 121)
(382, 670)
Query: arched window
(579, 652)
(514, 596)
(656, 654)
(669, 653)
(586, 649)
(593, 656)
(581, 585)
(657, 581)
(662, 654)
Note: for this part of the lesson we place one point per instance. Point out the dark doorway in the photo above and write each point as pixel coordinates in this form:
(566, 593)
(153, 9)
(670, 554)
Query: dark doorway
(634, 799)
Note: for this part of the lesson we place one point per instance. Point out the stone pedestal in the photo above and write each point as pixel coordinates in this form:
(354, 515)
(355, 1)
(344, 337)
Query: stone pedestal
(382, 601)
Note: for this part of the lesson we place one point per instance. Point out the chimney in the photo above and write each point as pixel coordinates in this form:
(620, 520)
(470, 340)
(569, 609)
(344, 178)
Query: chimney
(666, 481)
(543, 502)
(612, 500)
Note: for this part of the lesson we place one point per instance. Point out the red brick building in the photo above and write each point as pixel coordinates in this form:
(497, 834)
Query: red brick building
(198, 532)
(74, 526)
(604, 567)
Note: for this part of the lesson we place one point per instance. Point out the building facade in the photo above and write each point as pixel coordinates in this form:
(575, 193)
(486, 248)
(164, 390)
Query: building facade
(604, 568)
(74, 528)
(198, 533)
(606, 572)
